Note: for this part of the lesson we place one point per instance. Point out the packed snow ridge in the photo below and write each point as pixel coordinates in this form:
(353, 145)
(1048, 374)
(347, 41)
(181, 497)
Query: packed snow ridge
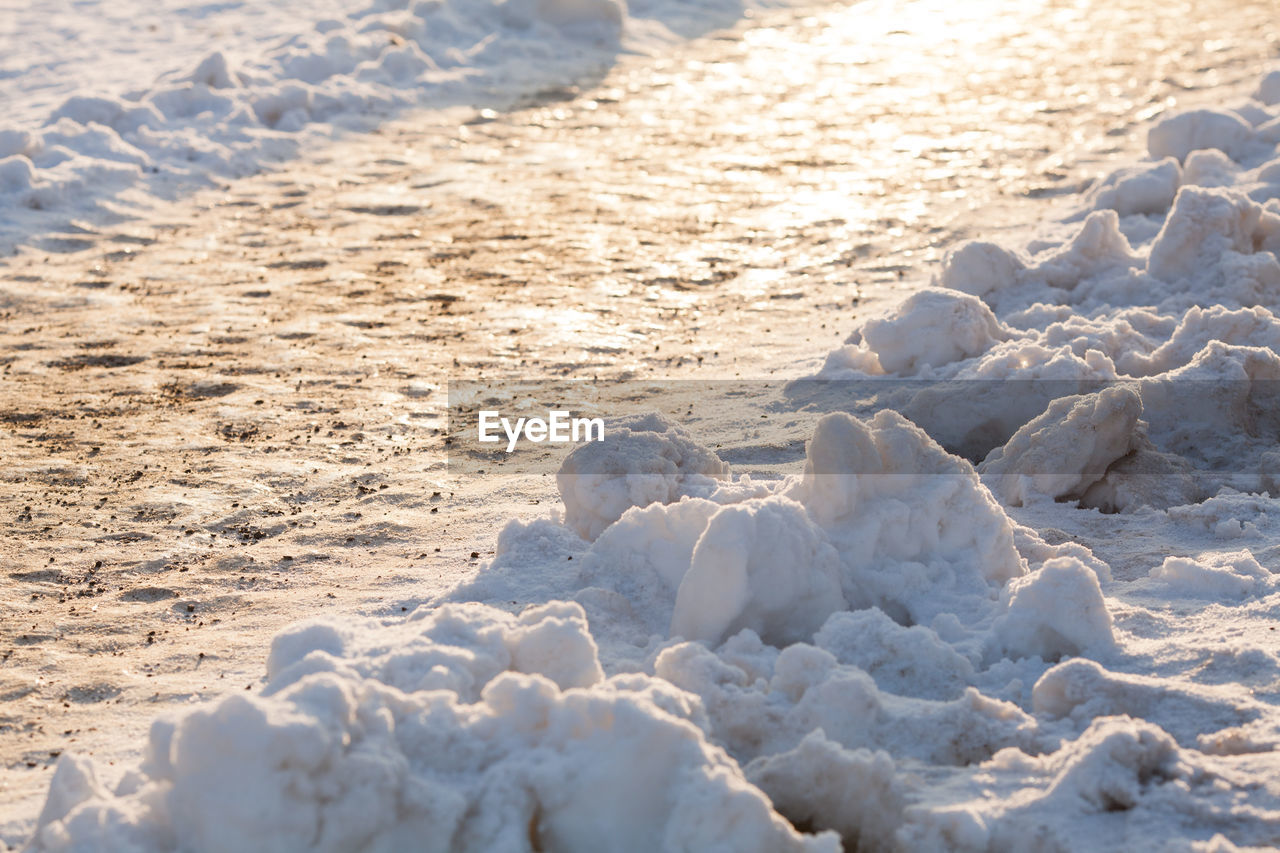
(112, 145)
(894, 649)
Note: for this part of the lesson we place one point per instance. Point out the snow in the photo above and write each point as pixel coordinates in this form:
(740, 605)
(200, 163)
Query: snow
(462, 728)
(1209, 234)
(1197, 130)
(1221, 576)
(1148, 188)
(1092, 431)
(763, 566)
(1056, 612)
(934, 328)
(748, 625)
(642, 459)
(1057, 637)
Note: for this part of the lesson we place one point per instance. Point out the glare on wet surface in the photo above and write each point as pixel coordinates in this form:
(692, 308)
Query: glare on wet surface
(833, 155)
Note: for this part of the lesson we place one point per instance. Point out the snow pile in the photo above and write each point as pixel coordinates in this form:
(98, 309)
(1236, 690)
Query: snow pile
(913, 533)
(643, 459)
(1124, 775)
(1169, 287)
(934, 328)
(1199, 130)
(462, 728)
(1097, 430)
(761, 566)
(1146, 189)
(1057, 612)
(1224, 576)
(918, 533)
(843, 618)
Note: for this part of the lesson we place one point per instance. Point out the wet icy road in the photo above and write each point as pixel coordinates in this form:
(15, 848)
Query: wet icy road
(225, 416)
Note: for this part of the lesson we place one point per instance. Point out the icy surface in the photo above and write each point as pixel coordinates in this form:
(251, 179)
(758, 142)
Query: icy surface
(892, 645)
(109, 107)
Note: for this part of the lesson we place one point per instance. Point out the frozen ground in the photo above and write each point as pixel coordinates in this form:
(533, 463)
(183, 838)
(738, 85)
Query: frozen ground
(223, 416)
(111, 105)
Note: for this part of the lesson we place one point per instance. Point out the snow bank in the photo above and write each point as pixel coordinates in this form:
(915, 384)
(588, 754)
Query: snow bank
(844, 619)
(1131, 368)
(221, 91)
(1168, 286)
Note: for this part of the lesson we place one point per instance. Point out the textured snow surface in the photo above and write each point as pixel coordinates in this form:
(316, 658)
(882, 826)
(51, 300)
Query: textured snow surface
(893, 649)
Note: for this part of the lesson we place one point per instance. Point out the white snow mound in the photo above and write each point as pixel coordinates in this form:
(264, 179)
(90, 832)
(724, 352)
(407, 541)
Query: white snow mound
(643, 459)
(425, 736)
